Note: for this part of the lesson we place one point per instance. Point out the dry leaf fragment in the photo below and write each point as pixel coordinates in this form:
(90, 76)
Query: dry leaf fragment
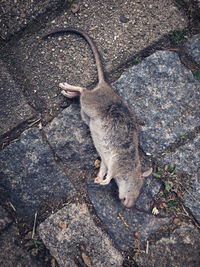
(28, 235)
(166, 167)
(86, 259)
(162, 206)
(177, 221)
(40, 126)
(62, 225)
(97, 163)
(137, 235)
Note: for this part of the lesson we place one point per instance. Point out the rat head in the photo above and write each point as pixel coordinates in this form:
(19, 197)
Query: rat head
(130, 187)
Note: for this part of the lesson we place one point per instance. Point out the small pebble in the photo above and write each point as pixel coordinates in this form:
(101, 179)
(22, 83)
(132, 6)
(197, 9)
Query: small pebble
(123, 19)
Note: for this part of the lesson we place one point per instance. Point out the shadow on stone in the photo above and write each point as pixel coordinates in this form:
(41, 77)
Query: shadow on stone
(137, 219)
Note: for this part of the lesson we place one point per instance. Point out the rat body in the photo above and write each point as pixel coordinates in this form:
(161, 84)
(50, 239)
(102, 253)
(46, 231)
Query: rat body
(113, 128)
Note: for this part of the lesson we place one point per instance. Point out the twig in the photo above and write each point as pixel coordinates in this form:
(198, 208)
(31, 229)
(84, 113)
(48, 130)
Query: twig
(12, 206)
(187, 215)
(123, 220)
(33, 123)
(188, 191)
(147, 247)
(34, 225)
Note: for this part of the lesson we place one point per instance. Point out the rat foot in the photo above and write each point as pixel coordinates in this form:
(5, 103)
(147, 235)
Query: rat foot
(106, 181)
(69, 94)
(98, 179)
(71, 88)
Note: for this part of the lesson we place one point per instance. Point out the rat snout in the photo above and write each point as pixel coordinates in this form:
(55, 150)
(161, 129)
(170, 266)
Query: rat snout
(127, 192)
(127, 202)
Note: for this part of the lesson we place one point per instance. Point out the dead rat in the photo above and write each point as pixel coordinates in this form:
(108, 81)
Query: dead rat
(113, 128)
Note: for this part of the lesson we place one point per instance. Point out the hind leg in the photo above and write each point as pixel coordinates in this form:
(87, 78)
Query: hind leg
(71, 91)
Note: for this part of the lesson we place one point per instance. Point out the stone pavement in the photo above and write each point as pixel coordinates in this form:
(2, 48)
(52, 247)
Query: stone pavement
(51, 212)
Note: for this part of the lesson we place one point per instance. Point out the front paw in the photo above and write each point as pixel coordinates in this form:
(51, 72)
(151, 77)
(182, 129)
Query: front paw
(98, 180)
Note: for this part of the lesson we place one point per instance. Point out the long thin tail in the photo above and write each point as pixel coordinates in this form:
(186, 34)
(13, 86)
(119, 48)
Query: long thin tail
(95, 51)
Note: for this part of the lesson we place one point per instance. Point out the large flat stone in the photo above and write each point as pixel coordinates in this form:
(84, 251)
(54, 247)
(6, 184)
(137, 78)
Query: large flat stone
(71, 140)
(193, 46)
(187, 158)
(139, 218)
(180, 249)
(13, 107)
(30, 176)
(45, 63)
(73, 239)
(165, 96)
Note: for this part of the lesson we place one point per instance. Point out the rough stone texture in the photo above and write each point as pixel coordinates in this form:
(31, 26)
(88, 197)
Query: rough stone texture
(45, 63)
(181, 249)
(192, 199)
(71, 140)
(193, 46)
(15, 15)
(13, 107)
(4, 219)
(187, 158)
(30, 176)
(108, 207)
(150, 189)
(71, 236)
(11, 252)
(165, 96)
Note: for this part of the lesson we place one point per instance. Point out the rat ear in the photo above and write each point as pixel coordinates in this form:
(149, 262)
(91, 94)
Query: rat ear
(147, 173)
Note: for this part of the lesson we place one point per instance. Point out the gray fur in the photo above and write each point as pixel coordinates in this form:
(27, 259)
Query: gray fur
(114, 131)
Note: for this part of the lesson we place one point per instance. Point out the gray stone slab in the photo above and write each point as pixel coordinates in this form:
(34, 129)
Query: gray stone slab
(71, 140)
(180, 249)
(11, 251)
(73, 239)
(193, 46)
(187, 158)
(30, 176)
(165, 96)
(5, 220)
(15, 15)
(13, 107)
(139, 218)
(45, 63)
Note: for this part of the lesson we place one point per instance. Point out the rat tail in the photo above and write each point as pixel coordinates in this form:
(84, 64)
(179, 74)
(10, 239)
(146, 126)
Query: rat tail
(91, 43)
